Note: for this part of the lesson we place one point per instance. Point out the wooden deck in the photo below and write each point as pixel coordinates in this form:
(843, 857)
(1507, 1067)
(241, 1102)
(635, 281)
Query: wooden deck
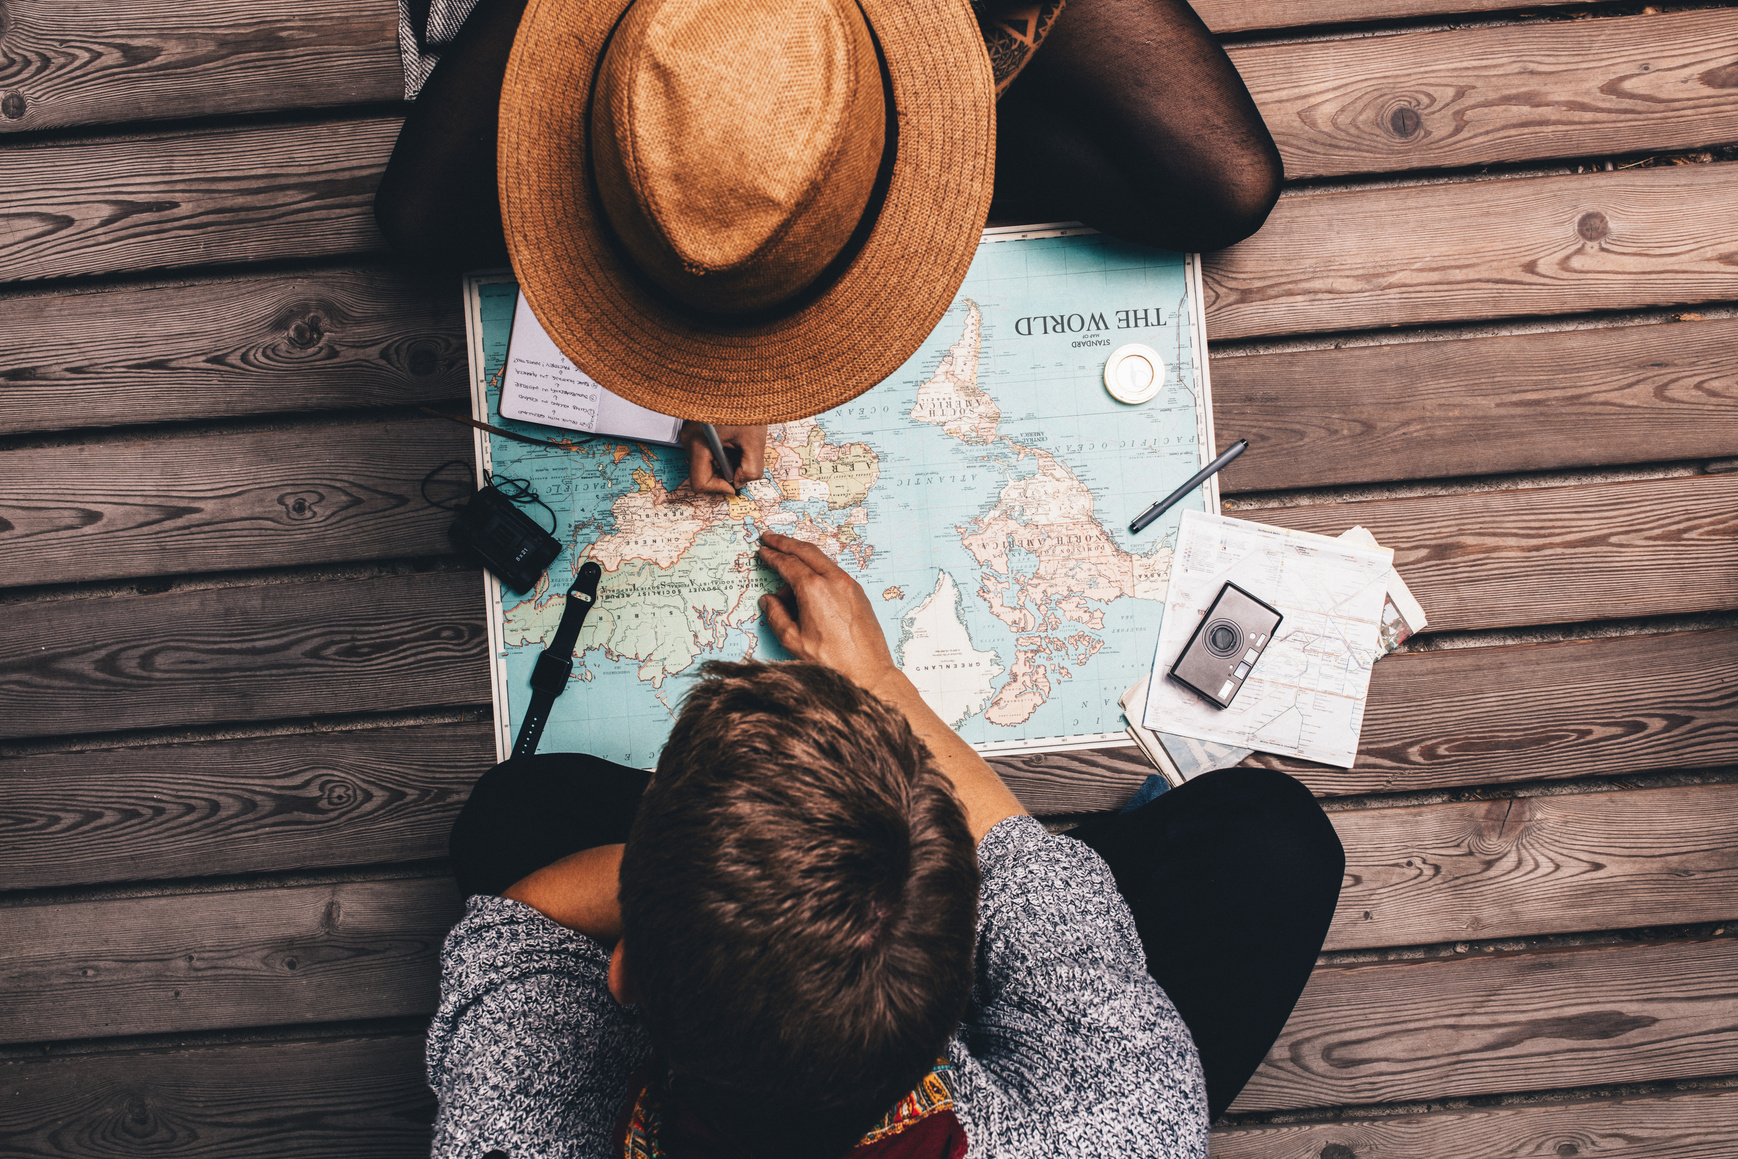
(243, 681)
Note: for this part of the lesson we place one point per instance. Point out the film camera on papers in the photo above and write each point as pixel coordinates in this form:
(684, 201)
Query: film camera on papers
(1220, 655)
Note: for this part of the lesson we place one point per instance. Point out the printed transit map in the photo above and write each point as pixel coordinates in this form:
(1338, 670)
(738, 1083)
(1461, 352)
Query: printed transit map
(981, 495)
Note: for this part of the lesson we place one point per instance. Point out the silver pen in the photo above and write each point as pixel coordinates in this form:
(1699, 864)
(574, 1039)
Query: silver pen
(1195, 480)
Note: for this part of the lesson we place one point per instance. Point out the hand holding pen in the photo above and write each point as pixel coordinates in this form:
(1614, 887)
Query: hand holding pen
(707, 473)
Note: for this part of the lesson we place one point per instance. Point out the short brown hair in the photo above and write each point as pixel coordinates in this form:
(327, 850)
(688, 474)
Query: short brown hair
(799, 903)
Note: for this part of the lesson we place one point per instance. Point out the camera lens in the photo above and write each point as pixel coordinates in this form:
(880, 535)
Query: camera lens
(1223, 638)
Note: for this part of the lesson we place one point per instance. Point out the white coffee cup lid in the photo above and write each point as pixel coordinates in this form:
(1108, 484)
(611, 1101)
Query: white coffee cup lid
(1134, 373)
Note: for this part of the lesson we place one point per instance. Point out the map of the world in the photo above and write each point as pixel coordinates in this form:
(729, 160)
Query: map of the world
(981, 495)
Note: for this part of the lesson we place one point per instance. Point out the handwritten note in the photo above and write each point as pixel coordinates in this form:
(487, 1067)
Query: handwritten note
(542, 386)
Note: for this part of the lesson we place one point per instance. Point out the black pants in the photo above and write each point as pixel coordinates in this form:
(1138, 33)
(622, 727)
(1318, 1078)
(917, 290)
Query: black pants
(1231, 879)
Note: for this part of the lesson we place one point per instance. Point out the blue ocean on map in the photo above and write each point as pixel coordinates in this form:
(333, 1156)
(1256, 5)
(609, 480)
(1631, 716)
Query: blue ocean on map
(981, 495)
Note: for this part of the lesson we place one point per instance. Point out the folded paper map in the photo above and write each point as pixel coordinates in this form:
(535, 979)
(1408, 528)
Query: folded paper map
(1181, 758)
(1306, 696)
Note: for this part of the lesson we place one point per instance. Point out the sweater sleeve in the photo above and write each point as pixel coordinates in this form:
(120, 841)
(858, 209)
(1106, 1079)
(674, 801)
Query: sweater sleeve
(528, 1052)
(1069, 1047)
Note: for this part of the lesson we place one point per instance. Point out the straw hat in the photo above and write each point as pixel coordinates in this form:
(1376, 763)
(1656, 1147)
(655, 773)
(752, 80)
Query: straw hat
(744, 211)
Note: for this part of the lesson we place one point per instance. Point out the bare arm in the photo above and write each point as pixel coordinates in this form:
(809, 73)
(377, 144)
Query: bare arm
(579, 892)
(824, 616)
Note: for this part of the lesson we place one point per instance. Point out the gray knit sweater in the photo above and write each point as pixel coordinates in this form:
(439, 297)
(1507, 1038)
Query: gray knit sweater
(1069, 1048)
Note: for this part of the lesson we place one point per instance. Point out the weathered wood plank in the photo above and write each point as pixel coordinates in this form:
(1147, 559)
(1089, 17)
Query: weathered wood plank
(1480, 406)
(1536, 865)
(1325, 261)
(1365, 258)
(243, 653)
(236, 806)
(219, 502)
(245, 345)
(1444, 1028)
(1691, 1125)
(1520, 712)
(1084, 781)
(82, 64)
(1364, 105)
(1484, 95)
(1475, 716)
(200, 198)
(1249, 15)
(1553, 554)
(357, 1097)
(149, 965)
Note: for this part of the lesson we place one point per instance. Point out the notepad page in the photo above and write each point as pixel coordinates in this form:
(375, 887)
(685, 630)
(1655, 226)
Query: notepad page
(542, 386)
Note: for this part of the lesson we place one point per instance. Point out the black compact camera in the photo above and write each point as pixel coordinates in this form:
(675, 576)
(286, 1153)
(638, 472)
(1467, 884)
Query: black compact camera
(504, 539)
(1233, 634)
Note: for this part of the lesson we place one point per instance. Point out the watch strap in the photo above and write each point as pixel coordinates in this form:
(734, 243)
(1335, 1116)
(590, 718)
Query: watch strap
(555, 663)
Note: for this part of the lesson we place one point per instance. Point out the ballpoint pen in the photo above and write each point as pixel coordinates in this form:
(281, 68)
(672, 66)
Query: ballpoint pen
(725, 470)
(1195, 481)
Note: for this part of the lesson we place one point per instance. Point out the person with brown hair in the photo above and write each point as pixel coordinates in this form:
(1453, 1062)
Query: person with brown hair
(823, 926)
(748, 211)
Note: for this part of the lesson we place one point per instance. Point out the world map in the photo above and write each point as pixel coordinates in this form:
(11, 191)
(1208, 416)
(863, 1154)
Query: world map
(981, 495)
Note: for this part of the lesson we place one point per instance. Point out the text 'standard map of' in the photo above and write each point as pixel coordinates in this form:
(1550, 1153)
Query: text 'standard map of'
(981, 495)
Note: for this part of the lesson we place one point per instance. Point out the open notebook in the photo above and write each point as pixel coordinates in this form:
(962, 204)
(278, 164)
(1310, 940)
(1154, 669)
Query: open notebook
(540, 385)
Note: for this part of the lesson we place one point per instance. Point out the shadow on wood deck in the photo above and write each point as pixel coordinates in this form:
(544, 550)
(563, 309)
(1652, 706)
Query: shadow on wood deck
(243, 683)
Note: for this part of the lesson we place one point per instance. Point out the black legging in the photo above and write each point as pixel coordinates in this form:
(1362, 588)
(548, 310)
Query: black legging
(1231, 879)
(1129, 117)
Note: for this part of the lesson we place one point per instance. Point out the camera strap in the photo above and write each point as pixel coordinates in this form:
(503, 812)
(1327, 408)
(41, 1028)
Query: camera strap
(555, 663)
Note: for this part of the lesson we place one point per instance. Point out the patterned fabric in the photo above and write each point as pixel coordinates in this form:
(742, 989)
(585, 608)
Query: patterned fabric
(638, 1130)
(1012, 33)
(934, 1094)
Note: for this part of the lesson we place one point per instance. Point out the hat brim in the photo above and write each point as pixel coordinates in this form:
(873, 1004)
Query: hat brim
(833, 346)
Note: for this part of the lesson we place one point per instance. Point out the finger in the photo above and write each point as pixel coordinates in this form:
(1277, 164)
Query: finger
(779, 619)
(752, 440)
(702, 472)
(811, 555)
(791, 568)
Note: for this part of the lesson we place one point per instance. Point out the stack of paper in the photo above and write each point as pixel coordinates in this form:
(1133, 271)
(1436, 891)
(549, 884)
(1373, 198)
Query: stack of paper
(1306, 696)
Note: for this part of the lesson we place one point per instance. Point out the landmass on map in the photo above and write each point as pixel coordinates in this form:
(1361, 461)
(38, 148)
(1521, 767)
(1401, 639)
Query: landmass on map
(1075, 567)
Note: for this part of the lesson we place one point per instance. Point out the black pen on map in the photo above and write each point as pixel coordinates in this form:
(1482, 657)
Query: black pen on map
(725, 470)
(1195, 480)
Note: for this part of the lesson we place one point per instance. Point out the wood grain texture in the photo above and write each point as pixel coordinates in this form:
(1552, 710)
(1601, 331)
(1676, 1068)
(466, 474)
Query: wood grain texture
(1249, 15)
(1471, 716)
(1367, 258)
(1083, 781)
(220, 502)
(80, 64)
(247, 345)
(236, 806)
(243, 653)
(1553, 554)
(206, 961)
(1480, 406)
(1484, 95)
(198, 198)
(360, 1098)
(1445, 1028)
(1425, 874)
(1692, 1125)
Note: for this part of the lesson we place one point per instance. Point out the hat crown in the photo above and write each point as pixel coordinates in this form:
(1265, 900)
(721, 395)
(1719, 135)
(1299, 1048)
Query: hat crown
(736, 143)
